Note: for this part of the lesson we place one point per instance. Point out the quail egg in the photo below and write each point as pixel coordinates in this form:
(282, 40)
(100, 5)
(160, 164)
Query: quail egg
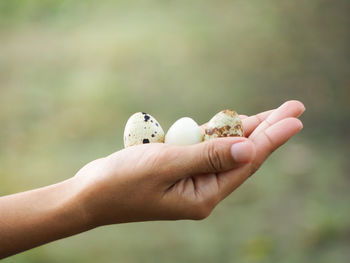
(226, 123)
(142, 128)
(184, 131)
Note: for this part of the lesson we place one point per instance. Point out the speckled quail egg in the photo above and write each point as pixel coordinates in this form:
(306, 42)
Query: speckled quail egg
(142, 128)
(226, 123)
(184, 131)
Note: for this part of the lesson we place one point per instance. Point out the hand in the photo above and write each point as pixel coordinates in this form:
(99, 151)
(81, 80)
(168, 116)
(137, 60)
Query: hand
(165, 182)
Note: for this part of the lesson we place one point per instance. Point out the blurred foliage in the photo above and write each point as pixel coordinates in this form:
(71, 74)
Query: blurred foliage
(72, 72)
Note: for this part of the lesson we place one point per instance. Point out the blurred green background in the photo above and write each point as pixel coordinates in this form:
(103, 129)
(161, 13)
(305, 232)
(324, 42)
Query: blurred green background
(72, 72)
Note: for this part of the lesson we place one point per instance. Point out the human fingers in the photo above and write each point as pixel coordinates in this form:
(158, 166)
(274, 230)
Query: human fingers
(291, 108)
(251, 122)
(273, 137)
(265, 144)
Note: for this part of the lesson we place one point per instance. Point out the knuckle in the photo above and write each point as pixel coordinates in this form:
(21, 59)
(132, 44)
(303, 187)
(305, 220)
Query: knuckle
(202, 209)
(253, 168)
(200, 213)
(214, 158)
(161, 155)
(150, 160)
(270, 143)
(169, 153)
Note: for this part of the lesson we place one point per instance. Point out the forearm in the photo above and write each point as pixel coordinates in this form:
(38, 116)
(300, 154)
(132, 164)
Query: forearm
(36, 217)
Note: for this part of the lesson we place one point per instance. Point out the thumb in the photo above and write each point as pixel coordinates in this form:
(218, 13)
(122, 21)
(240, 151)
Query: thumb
(214, 156)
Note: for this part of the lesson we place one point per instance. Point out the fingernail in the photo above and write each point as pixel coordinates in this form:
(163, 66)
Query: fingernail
(242, 152)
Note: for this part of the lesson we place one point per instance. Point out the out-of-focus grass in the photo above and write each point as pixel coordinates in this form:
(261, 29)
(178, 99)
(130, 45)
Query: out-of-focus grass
(72, 72)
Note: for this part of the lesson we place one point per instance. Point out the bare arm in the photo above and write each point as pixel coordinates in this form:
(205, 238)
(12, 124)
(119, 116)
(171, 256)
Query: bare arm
(39, 216)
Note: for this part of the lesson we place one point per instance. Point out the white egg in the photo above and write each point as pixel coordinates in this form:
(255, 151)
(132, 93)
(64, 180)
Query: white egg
(142, 128)
(184, 131)
(224, 124)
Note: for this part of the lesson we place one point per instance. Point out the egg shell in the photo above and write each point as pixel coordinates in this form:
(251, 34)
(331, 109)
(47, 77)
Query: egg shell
(184, 131)
(226, 123)
(142, 128)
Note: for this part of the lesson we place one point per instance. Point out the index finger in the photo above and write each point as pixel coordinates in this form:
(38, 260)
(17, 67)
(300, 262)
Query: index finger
(250, 123)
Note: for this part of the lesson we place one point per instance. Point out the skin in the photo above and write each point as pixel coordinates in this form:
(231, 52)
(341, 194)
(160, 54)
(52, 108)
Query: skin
(145, 182)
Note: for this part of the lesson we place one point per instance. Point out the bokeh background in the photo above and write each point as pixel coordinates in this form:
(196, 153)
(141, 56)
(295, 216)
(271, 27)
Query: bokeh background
(72, 72)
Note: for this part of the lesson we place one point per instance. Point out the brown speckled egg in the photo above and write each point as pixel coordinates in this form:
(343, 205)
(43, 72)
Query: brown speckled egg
(142, 128)
(226, 123)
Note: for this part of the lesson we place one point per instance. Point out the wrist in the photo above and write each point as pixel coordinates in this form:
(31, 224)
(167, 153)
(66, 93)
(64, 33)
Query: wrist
(77, 205)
